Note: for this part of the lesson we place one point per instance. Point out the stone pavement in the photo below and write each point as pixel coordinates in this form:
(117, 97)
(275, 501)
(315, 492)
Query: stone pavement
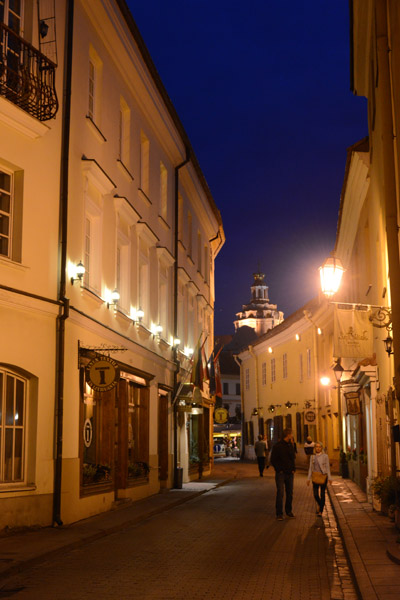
(367, 535)
(370, 540)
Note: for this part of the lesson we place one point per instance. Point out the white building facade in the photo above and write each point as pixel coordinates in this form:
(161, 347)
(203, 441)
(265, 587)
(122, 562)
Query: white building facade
(109, 182)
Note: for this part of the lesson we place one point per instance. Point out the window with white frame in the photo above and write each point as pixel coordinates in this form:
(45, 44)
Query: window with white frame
(301, 367)
(144, 164)
(12, 426)
(92, 239)
(163, 304)
(123, 270)
(163, 192)
(94, 85)
(247, 379)
(11, 186)
(124, 132)
(264, 373)
(273, 370)
(284, 366)
(190, 234)
(308, 362)
(144, 280)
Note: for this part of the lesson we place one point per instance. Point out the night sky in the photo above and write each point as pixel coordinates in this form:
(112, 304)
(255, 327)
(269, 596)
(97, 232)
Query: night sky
(263, 90)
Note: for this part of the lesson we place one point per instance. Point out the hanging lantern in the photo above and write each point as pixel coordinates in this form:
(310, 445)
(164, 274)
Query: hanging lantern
(331, 274)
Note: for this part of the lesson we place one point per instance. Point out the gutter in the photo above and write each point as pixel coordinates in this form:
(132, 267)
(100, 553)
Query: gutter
(63, 230)
(176, 483)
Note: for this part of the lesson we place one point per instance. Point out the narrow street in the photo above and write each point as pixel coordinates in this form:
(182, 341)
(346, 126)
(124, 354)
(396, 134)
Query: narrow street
(225, 543)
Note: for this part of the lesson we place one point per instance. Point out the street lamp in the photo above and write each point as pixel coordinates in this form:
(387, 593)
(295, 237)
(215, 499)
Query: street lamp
(331, 274)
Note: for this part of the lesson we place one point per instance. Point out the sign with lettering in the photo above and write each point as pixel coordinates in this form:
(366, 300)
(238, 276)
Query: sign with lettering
(102, 374)
(352, 333)
(353, 403)
(310, 417)
(220, 415)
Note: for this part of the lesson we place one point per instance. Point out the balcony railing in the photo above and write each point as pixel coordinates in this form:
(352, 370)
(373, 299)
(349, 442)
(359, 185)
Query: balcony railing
(26, 76)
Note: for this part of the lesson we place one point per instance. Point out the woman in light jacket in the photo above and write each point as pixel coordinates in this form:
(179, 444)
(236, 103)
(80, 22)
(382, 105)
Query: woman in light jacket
(319, 462)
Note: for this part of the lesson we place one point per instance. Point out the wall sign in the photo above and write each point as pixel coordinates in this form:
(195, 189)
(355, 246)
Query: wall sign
(353, 403)
(102, 374)
(310, 417)
(87, 433)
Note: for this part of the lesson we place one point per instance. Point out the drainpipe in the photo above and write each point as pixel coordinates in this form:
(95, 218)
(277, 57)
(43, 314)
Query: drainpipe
(239, 363)
(385, 108)
(63, 228)
(175, 349)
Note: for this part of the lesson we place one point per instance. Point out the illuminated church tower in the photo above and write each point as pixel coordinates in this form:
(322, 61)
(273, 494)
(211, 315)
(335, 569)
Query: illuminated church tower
(259, 313)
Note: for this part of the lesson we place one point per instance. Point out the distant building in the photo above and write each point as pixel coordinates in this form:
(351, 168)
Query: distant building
(259, 313)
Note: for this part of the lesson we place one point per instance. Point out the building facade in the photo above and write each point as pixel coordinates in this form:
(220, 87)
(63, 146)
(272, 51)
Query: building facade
(106, 289)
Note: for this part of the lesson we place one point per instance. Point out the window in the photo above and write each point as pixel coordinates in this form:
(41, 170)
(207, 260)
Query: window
(308, 362)
(124, 132)
(284, 366)
(144, 280)
(138, 428)
(199, 250)
(94, 85)
(11, 185)
(163, 191)
(247, 379)
(206, 264)
(238, 389)
(11, 15)
(273, 370)
(92, 241)
(301, 367)
(264, 373)
(189, 229)
(144, 163)
(225, 388)
(12, 426)
(163, 301)
(123, 271)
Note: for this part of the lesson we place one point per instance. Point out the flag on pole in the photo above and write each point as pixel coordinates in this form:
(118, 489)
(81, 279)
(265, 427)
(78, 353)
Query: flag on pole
(197, 376)
(215, 375)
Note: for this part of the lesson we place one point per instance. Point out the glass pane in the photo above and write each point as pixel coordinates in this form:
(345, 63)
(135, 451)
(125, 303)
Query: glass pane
(15, 6)
(8, 455)
(19, 402)
(10, 401)
(5, 181)
(3, 246)
(5, 202)
(18, 454)
(1, 398)
(4, 224)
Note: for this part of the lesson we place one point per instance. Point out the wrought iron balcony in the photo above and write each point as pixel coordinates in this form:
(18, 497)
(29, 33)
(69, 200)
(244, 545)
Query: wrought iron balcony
(26, 76)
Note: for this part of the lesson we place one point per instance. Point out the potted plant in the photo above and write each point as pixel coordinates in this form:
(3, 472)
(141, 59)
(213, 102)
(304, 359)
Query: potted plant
(92, 473)
(138, 469)
(387, 490)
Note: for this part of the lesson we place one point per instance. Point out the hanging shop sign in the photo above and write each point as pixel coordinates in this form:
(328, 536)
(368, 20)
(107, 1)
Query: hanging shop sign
(102, 374)
(310, 417)
(352, 333)
(353, 402)
(220, 415)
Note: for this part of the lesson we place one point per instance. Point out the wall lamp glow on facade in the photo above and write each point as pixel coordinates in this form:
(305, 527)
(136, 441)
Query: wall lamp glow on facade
(325, 381)
(254, 412)
(115, 297)
(290, 404)
(157, 331)
(298, 337)
(139, 315)
(177, 342)
(270, 350)
(273, 407)
(79, 272)
(319, 331)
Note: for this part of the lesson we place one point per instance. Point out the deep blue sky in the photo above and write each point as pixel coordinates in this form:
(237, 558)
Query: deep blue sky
(263, 90)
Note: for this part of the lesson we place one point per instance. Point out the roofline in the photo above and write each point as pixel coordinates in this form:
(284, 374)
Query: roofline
(360, 146)
(126, 13)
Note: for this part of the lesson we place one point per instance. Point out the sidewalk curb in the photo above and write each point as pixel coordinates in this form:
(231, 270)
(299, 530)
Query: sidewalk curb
(393, 552)
(20, 565)
(361, 578)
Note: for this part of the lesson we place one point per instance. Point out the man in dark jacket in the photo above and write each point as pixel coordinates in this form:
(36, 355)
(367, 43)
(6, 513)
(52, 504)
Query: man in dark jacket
(282, 459)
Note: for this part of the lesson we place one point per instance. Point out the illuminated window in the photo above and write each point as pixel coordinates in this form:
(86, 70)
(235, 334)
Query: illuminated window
(284, 366)
(264, 373)
(12, 426)
(273, 370)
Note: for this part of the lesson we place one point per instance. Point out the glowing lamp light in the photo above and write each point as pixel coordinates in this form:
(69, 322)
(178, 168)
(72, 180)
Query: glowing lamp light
(79, 273)
(140, 314)
(297, 336)
(325, 380)
(319, 331)
(270, 350)
(331, 274)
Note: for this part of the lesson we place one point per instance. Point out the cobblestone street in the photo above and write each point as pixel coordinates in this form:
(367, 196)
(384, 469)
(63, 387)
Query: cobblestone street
(225, 543)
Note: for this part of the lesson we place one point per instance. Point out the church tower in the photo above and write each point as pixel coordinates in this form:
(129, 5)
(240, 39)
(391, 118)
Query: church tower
(259, 313)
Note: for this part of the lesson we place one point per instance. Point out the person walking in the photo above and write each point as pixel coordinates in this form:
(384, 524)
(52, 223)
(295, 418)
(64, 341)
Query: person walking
(283, 461)
(309, 448)
(260, 448)
(319, 472)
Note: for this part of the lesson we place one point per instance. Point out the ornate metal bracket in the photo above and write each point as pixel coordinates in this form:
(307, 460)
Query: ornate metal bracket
(381, 317)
